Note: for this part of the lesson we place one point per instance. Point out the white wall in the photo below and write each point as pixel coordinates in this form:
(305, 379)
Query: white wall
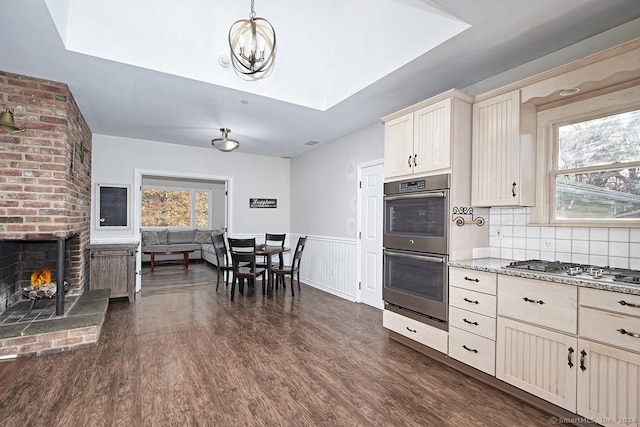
(116, 160)
(324, 206)
(324, 187)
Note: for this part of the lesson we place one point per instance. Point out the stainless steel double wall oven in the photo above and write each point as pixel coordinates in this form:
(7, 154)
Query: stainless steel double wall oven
(415, 240)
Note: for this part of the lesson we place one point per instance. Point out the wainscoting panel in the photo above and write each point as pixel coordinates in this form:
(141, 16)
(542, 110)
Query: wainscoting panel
(329, 264)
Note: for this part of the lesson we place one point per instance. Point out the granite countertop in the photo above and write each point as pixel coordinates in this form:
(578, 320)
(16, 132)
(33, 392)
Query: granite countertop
(496, 265)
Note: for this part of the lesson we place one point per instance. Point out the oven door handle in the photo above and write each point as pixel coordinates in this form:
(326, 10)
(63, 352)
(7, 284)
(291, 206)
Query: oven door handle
(416, 196)
(415, 257)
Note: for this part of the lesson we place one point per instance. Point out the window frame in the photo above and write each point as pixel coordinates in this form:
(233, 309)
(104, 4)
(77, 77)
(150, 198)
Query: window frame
(549, 118)
(193, 192)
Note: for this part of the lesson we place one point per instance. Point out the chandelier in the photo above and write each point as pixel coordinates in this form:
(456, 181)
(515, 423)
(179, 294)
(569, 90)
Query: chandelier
(225, 143)
(253, 45)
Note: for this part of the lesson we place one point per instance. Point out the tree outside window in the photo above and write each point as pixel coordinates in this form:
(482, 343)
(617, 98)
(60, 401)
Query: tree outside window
(175, 208)
(597, 168)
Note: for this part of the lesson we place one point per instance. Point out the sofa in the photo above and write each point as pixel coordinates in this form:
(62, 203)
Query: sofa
(165, 240)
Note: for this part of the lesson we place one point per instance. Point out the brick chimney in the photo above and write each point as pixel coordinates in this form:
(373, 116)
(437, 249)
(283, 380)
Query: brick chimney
(45, 176)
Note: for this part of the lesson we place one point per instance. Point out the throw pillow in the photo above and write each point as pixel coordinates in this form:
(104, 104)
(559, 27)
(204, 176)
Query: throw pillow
(202, 236)
(150, 238)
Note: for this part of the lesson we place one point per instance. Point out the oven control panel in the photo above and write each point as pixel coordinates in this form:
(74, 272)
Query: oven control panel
(412, 185)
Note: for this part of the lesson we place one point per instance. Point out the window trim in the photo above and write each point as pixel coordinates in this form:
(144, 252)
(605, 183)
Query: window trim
(193, 191)
(548, 120)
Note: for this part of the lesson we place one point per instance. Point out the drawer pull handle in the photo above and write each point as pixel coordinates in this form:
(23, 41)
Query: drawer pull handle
(409, 161)
(631, 334)
(415, 156)
(471, 323)
(472, 302)
(623, 302)
(583, 354)
(533, 300)
(513, 190)
(473, 350)
(411, 330)
(570, 357)
(470, 279)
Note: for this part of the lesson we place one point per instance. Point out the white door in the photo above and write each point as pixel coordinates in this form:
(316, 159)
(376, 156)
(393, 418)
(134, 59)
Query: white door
(370, 216)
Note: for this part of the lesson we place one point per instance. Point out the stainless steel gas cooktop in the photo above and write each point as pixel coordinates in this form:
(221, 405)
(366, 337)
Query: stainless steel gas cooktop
(585, 271)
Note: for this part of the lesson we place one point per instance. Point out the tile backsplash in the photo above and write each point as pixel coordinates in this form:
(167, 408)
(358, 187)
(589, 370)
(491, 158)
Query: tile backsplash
(510, 237)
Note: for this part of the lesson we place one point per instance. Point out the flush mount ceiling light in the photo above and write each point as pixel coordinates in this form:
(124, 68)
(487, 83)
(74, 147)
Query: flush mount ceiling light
(6, 122)
(225, 143)
(253, 45)
(569, 92)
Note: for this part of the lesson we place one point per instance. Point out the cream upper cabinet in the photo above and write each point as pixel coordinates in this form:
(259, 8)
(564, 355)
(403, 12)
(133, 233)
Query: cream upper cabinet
(503, 147)
(432, 137)
(419, 139)
(398, 146)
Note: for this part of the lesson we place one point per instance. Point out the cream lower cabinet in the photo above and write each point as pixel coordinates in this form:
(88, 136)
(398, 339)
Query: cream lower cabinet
(609, 357)
(472, 318)
(536, 342)
(608, 384)
(424, 334)
(537, 360)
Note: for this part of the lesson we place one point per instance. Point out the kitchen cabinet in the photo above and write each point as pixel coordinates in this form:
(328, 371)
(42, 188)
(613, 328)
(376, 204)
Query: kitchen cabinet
(113, 266)
(472, 318)
(420, 332)
(536, 343)
(609, 357)
(419, 140)
(540, 361)
(503, 147)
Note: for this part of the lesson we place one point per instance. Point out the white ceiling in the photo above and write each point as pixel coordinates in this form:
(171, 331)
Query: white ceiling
(149, 69)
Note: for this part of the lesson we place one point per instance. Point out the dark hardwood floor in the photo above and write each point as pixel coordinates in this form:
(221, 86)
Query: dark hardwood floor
(184, 355)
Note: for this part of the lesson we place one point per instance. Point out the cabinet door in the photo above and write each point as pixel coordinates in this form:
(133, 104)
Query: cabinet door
(496, 151)
(432, 137)
(539, 361)
(110, 269)
(398, 146)
(608, 390)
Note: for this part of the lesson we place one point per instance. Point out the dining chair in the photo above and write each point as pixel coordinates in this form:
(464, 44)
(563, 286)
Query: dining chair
(271, 239)
(243, 257)
(294, 268)
(222, 258)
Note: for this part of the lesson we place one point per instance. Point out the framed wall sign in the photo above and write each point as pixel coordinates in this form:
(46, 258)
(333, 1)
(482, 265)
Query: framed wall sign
(263, 203)
(112, 206)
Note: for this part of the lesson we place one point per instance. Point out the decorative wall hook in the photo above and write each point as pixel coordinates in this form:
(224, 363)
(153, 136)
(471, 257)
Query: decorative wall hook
(461, 212)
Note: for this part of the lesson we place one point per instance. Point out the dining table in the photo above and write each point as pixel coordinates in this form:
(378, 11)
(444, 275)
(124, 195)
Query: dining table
(268, 251)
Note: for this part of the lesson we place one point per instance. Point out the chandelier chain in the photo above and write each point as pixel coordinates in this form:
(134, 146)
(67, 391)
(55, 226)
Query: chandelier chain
(253, 13)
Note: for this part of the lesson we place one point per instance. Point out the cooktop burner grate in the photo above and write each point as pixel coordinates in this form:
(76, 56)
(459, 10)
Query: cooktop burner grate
(573, 269)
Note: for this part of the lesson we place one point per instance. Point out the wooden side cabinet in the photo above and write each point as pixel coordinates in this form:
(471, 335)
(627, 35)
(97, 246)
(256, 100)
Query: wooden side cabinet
(113, 266)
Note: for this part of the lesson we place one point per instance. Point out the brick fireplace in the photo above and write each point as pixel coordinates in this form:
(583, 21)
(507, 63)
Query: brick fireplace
(45, 186)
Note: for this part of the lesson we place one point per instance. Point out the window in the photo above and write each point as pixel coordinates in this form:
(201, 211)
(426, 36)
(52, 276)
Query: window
(175, 208)
(591, 152)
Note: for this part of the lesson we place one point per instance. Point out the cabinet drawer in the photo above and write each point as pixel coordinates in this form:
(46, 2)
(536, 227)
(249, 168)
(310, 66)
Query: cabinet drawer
(605, 327)
(612, 301)
(473, 301)
(474, 350)
(473, 322)
(553, 305)
(480, 281)
(424, 334)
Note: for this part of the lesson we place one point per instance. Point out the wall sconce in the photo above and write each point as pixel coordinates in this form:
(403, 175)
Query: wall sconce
(6, 122)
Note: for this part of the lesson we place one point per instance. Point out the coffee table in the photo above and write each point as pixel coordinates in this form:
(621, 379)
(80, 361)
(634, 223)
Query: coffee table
(184, 260)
